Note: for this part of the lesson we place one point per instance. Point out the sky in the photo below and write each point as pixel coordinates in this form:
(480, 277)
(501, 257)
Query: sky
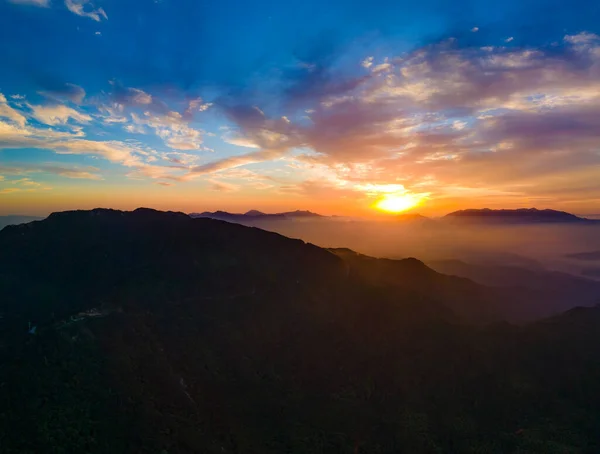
(340, 107)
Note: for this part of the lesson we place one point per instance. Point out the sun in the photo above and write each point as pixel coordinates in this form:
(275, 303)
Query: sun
(397, 203)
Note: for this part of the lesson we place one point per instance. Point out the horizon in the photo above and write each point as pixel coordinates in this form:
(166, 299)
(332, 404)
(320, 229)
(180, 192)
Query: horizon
(370, 216)
(361, 110)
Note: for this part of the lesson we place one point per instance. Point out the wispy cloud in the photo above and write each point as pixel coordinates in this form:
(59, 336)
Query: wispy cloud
(85, 8)
(56, 114)
(221, 186)
(13, 135)
(236, 161)
(172, 129)
(68, 92)
(40, 3)
(9, 113)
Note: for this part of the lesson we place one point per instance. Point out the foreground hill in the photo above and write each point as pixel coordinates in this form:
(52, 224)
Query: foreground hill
(153, 332)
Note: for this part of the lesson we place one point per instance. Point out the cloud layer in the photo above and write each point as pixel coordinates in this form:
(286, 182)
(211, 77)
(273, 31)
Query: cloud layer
(449, 120)
(444, 117)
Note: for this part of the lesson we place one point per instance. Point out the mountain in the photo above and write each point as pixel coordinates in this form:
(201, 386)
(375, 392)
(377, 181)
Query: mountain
(17, 219)
(301, 214)
(154, 332)
(591, 272)
(248, 217)
(585, 256)
(558, 290)
(255, 215)
(467, 297)
(518, 216)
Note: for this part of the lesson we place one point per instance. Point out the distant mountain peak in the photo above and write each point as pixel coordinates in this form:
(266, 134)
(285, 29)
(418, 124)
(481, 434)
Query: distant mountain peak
(301, 213)
(254, 213)
(514, 216)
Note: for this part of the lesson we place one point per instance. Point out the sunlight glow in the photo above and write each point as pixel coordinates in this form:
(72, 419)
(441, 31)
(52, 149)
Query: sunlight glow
(396, 203)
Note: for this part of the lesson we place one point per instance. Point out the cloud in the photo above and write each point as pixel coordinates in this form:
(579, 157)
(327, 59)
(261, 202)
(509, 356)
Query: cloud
(144, 162)
(221, 186)
(12, 136)
(164, 183)
(475, 29)
(134, 129)
(9, 190)
(196, 105)
(40, 3)
(113, 113)
(180, 158)
(79, 7)
(442, 116)
(68, 92)
(367, 62)
(26, 182)
(236, 161)
(257, 131)
(582, 38)
(172, 129)
(78, 173)
(58, 114)
(509, 39)
(7, 112)
(135, 97)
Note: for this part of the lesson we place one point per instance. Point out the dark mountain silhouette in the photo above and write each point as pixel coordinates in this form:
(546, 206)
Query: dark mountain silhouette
(255, 215)
(591, 272)
(301, 214)
(585, 256)
(557, 290)
(250, 216)
(511, 301)
(518, 216)
(154, 332)
(17, 219)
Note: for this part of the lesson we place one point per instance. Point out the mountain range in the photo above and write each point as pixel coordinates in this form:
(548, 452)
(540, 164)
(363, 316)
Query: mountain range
(518, 216)
(477, 216)
(155, 332)
(255, 215)
(470, 216)
(557, 290)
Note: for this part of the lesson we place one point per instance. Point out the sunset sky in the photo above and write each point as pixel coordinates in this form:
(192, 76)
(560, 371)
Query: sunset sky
(329, 106)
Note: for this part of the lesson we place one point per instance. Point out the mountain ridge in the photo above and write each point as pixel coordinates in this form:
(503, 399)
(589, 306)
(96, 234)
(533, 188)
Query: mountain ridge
(515, 216)
(155, 332)
(256, 215)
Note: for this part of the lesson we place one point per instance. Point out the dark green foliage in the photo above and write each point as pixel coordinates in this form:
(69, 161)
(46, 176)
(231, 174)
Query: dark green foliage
(217, 338)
